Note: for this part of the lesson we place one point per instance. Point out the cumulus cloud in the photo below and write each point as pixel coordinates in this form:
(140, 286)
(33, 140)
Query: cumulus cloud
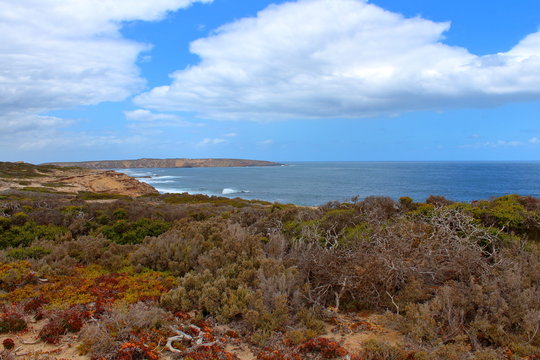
(341, 58)
(62, 54)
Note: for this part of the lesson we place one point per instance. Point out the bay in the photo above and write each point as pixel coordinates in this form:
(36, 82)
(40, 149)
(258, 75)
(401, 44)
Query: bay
(315, 183)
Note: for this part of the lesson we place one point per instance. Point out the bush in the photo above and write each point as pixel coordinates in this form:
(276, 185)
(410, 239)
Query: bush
(380, 350)
(329, 349)
(124, 232)
(108, 337)
(25, 234)
(62, 322)
(8, 344)
(34, 252)
(11, 321)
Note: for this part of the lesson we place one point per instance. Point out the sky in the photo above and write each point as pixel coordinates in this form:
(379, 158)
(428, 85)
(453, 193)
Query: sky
(305, 80)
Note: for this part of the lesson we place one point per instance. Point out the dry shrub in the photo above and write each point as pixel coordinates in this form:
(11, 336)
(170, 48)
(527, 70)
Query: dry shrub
(380, 350)
(105, 337)
(62, 322)
(232, 279)
(11, 320)
(377, 208)
(85, 250)
(7, 355)
(447, 246)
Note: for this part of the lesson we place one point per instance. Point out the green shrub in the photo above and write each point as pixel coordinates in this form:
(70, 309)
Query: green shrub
(125, 232)
(34, 252)
(25, 234)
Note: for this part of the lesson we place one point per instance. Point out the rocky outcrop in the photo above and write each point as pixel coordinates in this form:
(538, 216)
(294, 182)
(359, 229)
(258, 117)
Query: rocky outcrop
(165, 163)
(51, 179)
(110, 182)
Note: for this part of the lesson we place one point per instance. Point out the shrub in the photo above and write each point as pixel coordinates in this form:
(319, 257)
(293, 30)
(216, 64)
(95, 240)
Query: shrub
(8, 344)
(108, 337)
(15, 275)
(61, 322)
(268, 354)
(380, 350)
(124, 232)
(11, 321)
(34, 252)
(136, 351)
(329, 349)
(25, 234)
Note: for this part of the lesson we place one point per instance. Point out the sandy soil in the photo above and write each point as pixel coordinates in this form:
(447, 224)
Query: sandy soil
(350, 330)
(74, 181)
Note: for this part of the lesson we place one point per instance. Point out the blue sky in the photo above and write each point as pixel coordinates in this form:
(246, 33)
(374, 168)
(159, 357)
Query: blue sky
(276, 80)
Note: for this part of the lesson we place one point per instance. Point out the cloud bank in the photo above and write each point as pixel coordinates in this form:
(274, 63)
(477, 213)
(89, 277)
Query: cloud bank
(62, 54)
(341, 59)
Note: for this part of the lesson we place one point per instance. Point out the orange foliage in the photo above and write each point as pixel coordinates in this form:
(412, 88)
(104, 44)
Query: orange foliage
(136, 350)
(327, 348)
(92, 284)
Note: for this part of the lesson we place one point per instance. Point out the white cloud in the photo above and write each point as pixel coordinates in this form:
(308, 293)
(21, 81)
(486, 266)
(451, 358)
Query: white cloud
(231, 134)
(534, 140)
(209, 141)
(61, 54)
(147, 115)
(341, 58)
(266, 142)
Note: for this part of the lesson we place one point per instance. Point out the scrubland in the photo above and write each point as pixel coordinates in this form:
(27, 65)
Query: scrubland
(196, 277)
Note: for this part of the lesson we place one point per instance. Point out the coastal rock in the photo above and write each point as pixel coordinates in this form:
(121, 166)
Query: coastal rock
(51, 179)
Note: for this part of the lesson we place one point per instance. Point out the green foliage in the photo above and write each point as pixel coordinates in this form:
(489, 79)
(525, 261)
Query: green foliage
(461, 279)
(186, 198)
(25, 234)
(125, 232)
(34, 252)
(22, 170)
(40, 190)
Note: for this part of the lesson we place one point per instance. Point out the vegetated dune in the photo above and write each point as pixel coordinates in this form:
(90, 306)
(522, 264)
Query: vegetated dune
(180, 276)
(53, 179)
(165, 163)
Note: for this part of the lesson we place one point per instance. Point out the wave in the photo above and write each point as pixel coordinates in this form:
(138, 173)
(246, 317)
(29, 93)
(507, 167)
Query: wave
(158, 181)
(182, 190)
(161, 177)
(229, 191)
(135, 174)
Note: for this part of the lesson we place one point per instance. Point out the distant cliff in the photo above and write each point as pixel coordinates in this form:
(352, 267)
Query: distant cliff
(165, 163)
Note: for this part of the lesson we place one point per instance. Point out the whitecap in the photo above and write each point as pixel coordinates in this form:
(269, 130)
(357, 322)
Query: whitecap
(154, 181)
(182, 191)
(162, 177)
(229, 191)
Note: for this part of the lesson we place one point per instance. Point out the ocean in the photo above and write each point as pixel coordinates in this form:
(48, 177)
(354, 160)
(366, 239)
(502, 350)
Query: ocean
(316, 183)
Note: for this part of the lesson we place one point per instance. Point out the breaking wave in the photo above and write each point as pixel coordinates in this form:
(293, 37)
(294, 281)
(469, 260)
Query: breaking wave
(228, 191)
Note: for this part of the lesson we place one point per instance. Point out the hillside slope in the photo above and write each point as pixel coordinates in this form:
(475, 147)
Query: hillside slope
(53, 179)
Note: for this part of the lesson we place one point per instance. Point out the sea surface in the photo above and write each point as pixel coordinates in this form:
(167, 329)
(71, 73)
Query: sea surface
(316, 183)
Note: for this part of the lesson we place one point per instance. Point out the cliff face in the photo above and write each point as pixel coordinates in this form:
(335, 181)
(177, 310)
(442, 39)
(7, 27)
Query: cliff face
(165, 163)
(53, 179)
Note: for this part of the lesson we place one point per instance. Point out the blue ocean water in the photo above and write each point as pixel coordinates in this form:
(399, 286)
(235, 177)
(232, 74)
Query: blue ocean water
(315, 183)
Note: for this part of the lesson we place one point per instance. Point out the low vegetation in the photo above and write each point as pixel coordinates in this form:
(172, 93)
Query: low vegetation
(183, 276)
